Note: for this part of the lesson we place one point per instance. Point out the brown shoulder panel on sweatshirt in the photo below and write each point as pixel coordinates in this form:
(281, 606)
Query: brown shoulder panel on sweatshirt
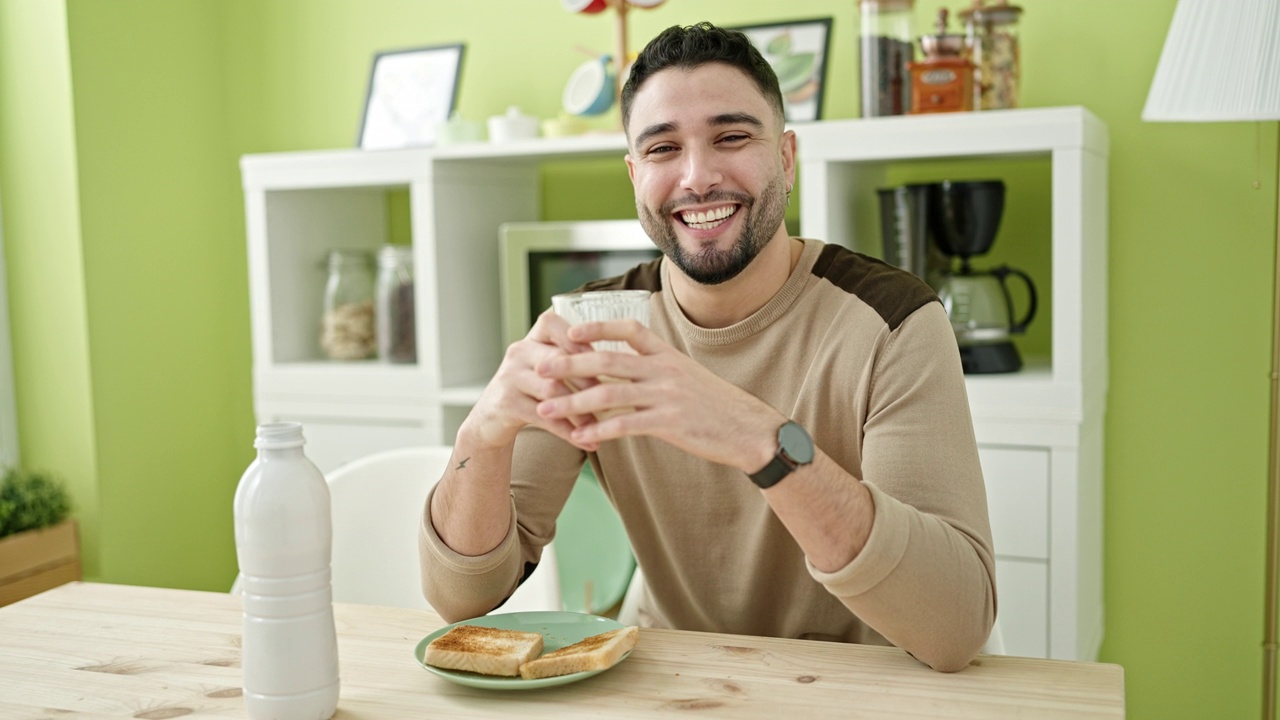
(892, 292)
(645, 276)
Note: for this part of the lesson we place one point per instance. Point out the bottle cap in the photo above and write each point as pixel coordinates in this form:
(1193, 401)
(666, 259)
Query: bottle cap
(393, 254)
(279, 435)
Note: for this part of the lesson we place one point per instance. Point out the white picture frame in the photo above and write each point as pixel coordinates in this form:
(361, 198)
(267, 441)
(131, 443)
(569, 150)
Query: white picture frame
(410, 93)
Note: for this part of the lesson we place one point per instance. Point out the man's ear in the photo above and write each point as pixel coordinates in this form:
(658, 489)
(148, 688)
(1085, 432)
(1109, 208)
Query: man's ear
(788, 150)
(631, 168)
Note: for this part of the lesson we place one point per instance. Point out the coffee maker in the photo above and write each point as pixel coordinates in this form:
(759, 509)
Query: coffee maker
(905, 233)
(964, 218)
(935, 230)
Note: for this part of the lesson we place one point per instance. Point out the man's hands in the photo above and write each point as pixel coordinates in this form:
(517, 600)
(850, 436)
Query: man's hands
(510, 400)
(665, 395)
(551, 379)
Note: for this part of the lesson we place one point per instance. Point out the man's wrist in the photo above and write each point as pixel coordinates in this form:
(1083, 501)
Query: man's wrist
(793, 449)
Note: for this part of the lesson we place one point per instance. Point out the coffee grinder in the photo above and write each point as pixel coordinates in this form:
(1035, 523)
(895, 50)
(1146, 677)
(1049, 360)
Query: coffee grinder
(963, 218)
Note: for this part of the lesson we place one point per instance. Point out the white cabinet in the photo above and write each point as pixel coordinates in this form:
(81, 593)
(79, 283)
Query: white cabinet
(1040, 430)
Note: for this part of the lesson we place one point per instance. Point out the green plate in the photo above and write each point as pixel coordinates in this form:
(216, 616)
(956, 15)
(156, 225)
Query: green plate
(558, 630)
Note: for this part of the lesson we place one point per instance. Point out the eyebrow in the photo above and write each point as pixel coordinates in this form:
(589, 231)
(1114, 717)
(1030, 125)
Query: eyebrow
(734, 118)
(652, 130)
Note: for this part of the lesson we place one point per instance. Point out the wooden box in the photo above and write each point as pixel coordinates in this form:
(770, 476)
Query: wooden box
(37, 560)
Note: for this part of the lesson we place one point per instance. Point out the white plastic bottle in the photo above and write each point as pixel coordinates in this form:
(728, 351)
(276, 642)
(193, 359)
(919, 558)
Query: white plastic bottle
(284, 538)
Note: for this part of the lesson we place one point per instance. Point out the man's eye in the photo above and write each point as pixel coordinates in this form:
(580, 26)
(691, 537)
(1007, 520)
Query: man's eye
(661, 149)
(735, 138)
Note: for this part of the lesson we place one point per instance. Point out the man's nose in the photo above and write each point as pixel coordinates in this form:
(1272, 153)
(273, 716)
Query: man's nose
(702, 170)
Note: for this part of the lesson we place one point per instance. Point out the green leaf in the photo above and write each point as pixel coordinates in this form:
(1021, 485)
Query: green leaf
(794, 71)
(779, 45)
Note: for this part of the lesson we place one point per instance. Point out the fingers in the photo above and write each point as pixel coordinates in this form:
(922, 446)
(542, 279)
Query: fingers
(630, 331)
(551, 329)
(606, 399)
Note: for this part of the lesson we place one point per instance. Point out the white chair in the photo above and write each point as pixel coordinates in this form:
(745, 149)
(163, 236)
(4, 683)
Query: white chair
(629, 614)
(377, 504)
(995, 641)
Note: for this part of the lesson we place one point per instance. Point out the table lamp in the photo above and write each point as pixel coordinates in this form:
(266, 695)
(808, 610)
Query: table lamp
(1221, 63)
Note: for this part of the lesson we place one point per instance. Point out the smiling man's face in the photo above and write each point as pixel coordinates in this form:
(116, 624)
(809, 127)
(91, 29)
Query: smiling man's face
(711, 168)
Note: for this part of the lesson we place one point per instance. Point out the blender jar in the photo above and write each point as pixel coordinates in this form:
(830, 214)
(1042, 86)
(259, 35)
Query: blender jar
(886, 48)
(992, 33)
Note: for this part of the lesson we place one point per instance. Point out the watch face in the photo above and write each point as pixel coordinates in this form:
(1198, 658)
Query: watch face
(795, 442)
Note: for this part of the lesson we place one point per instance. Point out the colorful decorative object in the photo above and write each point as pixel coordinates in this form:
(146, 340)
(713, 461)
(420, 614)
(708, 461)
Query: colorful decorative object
(586, 79)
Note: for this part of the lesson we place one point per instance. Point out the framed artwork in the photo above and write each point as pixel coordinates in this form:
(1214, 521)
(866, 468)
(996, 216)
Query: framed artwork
(410, 93)
(798, 51)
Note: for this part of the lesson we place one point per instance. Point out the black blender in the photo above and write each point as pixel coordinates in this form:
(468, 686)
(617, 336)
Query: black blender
(964, 218)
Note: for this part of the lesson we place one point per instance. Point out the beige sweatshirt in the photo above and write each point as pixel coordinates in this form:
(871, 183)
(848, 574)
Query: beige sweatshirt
(862, 355)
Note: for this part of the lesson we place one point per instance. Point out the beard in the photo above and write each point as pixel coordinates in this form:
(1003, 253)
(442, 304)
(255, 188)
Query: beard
(711, 265)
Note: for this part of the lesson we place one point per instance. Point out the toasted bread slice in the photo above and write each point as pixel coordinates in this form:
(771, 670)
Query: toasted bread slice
(598, 652)
(488, 651)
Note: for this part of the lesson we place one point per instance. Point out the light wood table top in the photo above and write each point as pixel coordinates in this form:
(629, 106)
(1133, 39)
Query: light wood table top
(95, 650)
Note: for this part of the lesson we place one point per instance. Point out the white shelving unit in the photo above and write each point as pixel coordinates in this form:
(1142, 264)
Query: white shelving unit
(300, 205)
(1039, 430)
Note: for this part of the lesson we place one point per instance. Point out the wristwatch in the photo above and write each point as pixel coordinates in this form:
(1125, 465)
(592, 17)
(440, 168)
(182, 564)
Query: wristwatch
(795, 448)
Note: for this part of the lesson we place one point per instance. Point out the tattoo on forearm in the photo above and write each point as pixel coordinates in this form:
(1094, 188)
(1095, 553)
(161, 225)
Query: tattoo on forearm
(462, 465)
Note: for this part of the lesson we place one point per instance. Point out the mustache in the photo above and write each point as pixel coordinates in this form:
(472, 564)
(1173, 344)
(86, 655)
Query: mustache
(714, 196)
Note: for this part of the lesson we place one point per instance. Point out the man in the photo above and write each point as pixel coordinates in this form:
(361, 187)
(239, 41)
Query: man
(800, 461)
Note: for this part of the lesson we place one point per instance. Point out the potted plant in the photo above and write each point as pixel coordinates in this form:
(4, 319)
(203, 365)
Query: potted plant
(39, 544)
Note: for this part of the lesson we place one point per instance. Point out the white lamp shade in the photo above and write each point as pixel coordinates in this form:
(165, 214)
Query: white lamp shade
(1221, 62)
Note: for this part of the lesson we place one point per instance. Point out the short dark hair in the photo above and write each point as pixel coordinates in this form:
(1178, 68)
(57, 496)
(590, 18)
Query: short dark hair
(696, 45)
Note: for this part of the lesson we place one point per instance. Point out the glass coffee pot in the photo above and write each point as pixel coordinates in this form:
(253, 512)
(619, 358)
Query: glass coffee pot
(964, 218)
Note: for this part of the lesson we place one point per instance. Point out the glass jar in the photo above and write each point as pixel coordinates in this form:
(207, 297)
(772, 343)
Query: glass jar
(347, 331)
(992, 37)
(886, 48)
(394, 307)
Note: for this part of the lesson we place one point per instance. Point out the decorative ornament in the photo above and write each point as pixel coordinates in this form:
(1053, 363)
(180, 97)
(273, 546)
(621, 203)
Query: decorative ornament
(582, 93)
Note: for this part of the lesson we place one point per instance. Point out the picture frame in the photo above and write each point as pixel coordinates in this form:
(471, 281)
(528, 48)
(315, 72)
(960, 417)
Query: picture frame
(410, 93)
(798, 51)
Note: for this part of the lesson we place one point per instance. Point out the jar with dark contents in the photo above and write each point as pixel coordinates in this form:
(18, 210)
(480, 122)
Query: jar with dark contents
(346, 331)
(886, 47)
(395, 317)
(992, 35)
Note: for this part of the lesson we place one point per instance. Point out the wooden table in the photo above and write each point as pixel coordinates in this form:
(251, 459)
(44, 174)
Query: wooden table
(97, 650)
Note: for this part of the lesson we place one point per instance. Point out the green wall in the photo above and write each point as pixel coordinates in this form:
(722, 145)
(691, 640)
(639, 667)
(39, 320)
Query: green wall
(44, 257)
(121, 124)
(165, 283)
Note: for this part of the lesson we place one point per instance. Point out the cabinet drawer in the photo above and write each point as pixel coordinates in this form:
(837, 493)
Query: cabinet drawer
(1022, 609)
(1017, 483)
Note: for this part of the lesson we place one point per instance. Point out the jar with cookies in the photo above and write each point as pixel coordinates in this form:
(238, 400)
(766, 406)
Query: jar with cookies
(991, 32)
(347, 325)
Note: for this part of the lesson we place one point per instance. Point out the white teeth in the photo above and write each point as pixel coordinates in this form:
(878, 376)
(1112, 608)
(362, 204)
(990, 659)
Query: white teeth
(708, 220)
